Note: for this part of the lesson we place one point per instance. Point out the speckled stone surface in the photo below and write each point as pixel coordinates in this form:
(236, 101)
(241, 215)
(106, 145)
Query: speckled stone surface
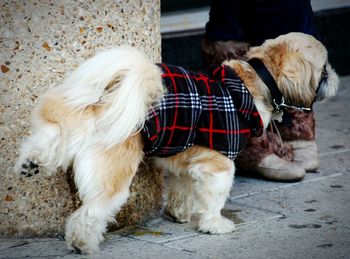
(40, 43)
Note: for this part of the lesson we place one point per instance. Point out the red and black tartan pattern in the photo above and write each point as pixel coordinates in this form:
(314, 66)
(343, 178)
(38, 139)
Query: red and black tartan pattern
(215, 111)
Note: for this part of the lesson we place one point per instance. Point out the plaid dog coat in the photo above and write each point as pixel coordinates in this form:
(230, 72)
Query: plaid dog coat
(214, 111)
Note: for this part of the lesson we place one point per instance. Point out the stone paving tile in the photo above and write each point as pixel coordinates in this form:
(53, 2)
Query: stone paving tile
(240, 213)
(158, 230)
(113, 247)
(32, 248)
(161, 231)
(330, 164)
(116, 247)
(279, 238)
(324, 197)
(332, 121)
(326, 200)
(335, 163)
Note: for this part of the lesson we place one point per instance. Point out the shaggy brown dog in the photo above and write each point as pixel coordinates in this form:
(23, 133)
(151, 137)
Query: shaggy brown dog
(94, 122)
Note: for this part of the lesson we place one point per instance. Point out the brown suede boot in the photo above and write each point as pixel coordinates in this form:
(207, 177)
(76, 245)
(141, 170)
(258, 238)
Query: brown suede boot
(305, 154)
(267, 157)
(275, 168)
(301, 136)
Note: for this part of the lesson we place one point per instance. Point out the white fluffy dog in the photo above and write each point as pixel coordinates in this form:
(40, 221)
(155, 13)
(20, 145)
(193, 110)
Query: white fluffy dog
(95, 120)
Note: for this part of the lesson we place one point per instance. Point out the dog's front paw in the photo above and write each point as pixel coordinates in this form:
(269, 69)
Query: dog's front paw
(216, 225)
(79, 244)
(28, 168)
(79, 247)
(82, 236)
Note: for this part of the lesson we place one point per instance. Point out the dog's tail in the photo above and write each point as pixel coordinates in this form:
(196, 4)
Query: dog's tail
(122, 84)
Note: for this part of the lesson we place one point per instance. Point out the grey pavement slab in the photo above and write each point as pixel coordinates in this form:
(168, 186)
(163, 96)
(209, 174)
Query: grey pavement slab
(116, 247)
(113, 247)
(32, 248)
(318, 5)
(333, 121)
(330, 166)
(280, 238)
(158, 231)
(326, 200)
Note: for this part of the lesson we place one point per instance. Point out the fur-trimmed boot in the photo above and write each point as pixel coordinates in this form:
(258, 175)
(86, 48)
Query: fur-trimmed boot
(216, 52)
(301, 136)
(269, 158)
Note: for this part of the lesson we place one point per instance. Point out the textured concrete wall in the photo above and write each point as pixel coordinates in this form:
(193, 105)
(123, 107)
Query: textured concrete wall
(40, 43)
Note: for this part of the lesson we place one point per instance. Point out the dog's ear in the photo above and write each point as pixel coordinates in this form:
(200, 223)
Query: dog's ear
(295, 79)
(329, 85)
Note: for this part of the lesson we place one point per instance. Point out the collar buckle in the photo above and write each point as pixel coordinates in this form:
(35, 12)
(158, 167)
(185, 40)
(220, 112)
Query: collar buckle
(278, 106)
(299, 108)
(266, 77)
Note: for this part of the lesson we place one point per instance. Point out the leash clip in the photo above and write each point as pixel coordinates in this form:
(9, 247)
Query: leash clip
(280, 106)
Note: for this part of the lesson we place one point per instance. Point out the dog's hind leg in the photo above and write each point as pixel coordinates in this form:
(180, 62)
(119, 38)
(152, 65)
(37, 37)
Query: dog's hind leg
(103, 177)
(211, 189)
(178, 188)
(179, 197)
(42, 150)
(211, 176)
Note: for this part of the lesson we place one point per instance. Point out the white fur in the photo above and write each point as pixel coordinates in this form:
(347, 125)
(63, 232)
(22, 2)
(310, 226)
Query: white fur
(210, 193)
(265, 115)
(197, 195)
(86, 226)
(42, 147)
(130, 77)
(82, 139)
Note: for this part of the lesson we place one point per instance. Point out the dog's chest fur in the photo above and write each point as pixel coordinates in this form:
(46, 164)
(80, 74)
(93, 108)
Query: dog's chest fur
(215, 111)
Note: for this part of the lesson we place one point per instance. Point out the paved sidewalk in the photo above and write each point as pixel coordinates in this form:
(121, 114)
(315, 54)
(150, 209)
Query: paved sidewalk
(308, 219)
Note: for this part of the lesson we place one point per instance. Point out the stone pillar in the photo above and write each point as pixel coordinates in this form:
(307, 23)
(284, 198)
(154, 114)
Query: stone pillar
(41, 41)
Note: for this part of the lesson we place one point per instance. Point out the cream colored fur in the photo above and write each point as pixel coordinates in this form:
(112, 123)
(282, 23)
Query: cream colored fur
(92, 122)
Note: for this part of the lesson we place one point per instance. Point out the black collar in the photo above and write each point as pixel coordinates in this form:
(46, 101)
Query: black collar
(266, 77)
